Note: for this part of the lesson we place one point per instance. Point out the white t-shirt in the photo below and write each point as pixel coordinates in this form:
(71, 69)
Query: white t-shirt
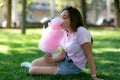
(72, 45)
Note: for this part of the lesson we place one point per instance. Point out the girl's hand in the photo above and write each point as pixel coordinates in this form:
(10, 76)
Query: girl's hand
(48, 58)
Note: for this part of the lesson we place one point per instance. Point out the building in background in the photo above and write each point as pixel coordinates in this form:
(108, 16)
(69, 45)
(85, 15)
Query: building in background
(98, 11)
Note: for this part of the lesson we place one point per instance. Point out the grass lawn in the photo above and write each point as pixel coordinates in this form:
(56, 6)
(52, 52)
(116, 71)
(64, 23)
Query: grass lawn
(16, 48)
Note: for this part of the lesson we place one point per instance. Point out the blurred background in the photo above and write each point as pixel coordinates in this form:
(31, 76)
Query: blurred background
(95, 12)
(29, 16)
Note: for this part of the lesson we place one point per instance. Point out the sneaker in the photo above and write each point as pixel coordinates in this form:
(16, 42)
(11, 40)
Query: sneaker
(26, 64)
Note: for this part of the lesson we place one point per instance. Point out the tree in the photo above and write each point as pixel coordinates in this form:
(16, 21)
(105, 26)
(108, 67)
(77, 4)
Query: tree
(117, 5)
(23, 16)
(9, 7)
(83, 3)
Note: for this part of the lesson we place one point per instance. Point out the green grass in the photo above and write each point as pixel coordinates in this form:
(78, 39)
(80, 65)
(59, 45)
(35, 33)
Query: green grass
(16, 48)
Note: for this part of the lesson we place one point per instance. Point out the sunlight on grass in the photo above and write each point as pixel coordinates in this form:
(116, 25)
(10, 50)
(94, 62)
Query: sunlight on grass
(18, 31)
(101, 50)
(4, 39)
(106, 62)
(96, 33)
(105, 33)
(5, 63)
(34, 31)
(25, 50)
(4, 49)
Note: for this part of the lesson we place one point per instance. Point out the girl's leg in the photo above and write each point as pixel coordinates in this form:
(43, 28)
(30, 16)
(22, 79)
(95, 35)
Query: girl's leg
(41, 62)
(39, 66)
(43, 70)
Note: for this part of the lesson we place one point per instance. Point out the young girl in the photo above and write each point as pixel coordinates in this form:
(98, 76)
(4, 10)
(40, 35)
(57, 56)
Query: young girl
(76, 49)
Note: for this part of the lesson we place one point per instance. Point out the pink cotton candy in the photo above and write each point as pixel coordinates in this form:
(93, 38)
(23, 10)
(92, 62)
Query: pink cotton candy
(52, 35)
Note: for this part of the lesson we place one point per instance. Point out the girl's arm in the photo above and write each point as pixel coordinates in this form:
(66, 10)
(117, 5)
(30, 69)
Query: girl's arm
(48, 57)
(59, 56)
(87, 47)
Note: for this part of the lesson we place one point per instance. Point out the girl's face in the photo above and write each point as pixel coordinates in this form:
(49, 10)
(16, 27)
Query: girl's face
(66, 18)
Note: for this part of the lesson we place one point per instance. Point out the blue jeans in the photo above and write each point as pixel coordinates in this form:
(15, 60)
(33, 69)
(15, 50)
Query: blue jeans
(67, 66)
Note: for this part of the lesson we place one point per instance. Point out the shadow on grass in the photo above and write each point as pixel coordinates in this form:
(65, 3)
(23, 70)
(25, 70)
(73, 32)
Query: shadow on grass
(81, 76)
(25, 48)
(10, 66)
(107, 63)
(107, 66)
(106, 43)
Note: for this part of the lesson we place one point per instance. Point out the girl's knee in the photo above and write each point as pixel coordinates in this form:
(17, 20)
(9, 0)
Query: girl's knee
(31, 71)
(36, 62)
(33, 63)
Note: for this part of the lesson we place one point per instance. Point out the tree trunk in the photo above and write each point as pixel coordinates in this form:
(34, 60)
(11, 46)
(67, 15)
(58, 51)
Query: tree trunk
(83, 3)
(9, 7)
(117, 5)
(23, 27)
(118, 19)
